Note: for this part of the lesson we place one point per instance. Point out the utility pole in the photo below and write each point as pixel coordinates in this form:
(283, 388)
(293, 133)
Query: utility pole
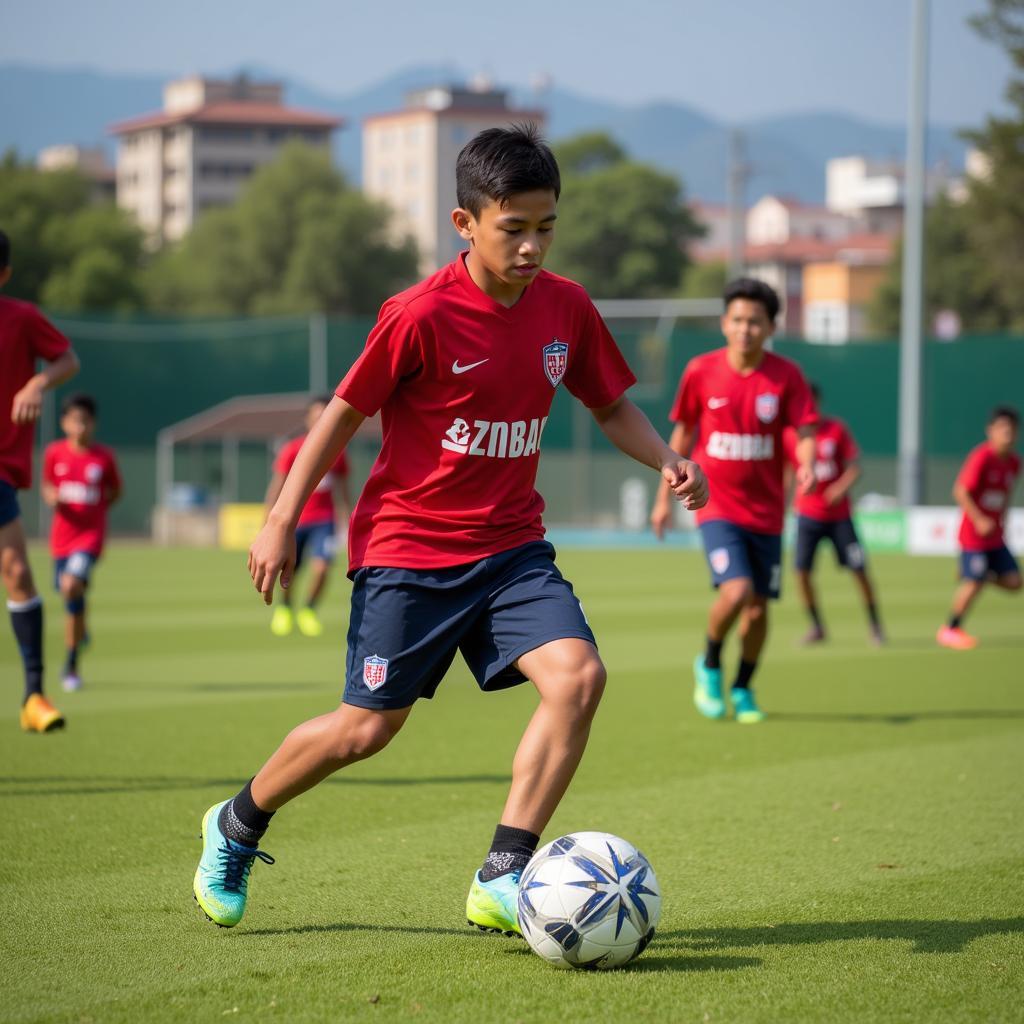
(911, 326)
(737, 175)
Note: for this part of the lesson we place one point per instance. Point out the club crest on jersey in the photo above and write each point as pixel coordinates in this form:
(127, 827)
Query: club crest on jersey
(827, 447)
(375, 672)
(719, 559)
(93, 472)
(766, 406)
(555, 356)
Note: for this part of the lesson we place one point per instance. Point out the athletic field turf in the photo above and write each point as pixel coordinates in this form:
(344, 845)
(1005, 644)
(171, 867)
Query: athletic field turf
(858, 857)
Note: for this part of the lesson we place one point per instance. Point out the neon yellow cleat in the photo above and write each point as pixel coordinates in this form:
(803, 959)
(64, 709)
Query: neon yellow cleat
(282, 621)
(309, 622)
(494, 906)
(39, 715)
(744, 706)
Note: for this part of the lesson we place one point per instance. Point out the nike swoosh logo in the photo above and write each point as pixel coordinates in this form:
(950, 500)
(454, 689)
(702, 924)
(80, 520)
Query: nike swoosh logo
(469, 366)
(717, 403)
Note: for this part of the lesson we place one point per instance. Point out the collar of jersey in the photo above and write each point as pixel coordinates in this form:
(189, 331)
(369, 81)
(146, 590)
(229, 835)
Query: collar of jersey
(507, 313)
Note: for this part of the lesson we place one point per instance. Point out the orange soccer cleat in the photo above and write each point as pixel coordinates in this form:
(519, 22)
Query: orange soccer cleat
(39, 715)
(955, 638)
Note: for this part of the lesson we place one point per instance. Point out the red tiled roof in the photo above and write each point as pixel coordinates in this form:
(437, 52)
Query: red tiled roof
(862, 248)
(231, 112)
(484, 113)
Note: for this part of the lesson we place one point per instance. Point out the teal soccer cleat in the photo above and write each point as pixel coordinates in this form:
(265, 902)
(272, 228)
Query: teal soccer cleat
(222, 878)
(494, 906)
(707, 689)
(744, 706)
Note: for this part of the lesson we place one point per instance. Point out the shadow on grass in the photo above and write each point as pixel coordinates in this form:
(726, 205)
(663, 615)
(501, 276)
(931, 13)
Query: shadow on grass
(355, 926)
(906, 718)
(100, 785)
(927, 936)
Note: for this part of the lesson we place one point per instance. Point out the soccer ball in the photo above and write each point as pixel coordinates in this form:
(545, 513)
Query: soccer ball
(589, 900)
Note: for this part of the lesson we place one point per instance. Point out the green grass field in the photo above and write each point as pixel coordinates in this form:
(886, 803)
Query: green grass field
(858, 857)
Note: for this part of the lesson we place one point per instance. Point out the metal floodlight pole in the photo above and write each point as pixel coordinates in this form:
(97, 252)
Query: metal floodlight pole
(911, 326)
(317, 353)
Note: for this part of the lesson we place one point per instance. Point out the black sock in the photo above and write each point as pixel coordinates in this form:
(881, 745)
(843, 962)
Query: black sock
(744, 675)
(71, 664)
(511, 850)
(815, 615)
(873, 615)
(241, 820)
(27, 622)
(954, 621)
(713, 654)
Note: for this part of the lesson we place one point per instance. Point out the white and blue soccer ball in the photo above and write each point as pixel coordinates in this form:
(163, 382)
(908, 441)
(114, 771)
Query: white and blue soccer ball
(589, 900)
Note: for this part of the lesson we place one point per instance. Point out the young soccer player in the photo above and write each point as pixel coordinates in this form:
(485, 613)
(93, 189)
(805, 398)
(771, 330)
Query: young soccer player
(982, 490)
(735, 402)
(315, 533)
(825, 513)
(80, 482)
(25, 336)
(446, 543)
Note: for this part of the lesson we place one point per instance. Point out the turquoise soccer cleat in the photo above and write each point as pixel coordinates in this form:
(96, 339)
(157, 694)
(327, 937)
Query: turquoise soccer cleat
(222, 878)
(707, 689)
(744, 706)
(493, 906)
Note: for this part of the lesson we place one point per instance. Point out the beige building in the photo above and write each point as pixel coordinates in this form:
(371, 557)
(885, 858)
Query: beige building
(773, 220)
(89, 161)
(409, 160)
(203, 146)
(836, 297)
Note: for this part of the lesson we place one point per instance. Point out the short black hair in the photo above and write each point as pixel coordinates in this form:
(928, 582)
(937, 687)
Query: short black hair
(499, 163)
(5, 251)
(79, 400)
(1004, 412)
(815, 390)
(754, 290)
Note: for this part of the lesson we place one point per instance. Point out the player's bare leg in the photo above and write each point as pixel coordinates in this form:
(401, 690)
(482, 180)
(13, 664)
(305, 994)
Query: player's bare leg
(809, 599)
(570, 678)
(753, 632)
(72, 589)
(320, 747)
(307, 618)
(867, 593)
(732, 597)
(26, 611)
(951, 635)
(1009, 581)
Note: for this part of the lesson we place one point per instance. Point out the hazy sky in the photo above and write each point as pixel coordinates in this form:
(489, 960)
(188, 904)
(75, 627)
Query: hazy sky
(732, 58)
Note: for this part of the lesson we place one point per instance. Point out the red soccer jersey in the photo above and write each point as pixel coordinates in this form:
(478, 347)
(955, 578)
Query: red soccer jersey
(739, 420)
(25, 335)
(84, 479)
(834, 450)
(320, 507)
(989, 480)
(464, 387)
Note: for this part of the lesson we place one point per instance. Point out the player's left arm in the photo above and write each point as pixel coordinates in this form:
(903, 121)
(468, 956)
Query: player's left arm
(342, 500)
(631, 432)
(840, 487)
(114, 487)
(28, 402)
(805, 479)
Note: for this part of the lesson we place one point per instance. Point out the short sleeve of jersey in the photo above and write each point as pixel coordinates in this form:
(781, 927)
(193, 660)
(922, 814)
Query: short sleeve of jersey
(44, 339)
(686, 408)
(392, 351)
(285, 458)
(112, 473)
(597, 373)
(798, 404)
(848, 447)
(789, 439)
(970, 472)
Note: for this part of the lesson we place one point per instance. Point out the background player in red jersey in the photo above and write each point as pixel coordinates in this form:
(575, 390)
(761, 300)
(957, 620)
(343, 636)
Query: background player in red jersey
(825, 512)
(321, 527)
(25, 336)
(982, 490)
(734, 403)
(446, 543)
(80, 481)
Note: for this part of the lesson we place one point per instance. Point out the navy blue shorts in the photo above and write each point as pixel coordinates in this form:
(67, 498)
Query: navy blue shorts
(811, 532)
(979, 565)
(407, 624)
(9, 509)
(78, 564)
(734, 552)
(316, 540)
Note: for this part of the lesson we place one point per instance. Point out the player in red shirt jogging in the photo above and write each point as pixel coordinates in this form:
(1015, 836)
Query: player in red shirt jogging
(982, 490)
(732, 407)
(25, 336)
(446, 544)
(825, 513)
(80, 482)
(323, 520)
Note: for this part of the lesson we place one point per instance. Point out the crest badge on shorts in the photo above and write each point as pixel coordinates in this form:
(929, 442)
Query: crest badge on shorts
(375, 672)
(719, 559)
(766, 406)
(555, 355)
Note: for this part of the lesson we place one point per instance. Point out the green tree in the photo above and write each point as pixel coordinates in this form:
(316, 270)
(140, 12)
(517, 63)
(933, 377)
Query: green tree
(705, 280)
(299, 239)
(67, 252)
(622, 225)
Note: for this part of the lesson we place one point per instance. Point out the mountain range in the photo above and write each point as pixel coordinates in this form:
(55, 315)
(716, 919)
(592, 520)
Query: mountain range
(786, 154)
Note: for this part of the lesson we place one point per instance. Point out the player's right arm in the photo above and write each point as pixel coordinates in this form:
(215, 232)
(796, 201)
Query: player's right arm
(681, 442)
(273, 493)
(983, 523)
(28, 402)
(273, 551)
(48, 487)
